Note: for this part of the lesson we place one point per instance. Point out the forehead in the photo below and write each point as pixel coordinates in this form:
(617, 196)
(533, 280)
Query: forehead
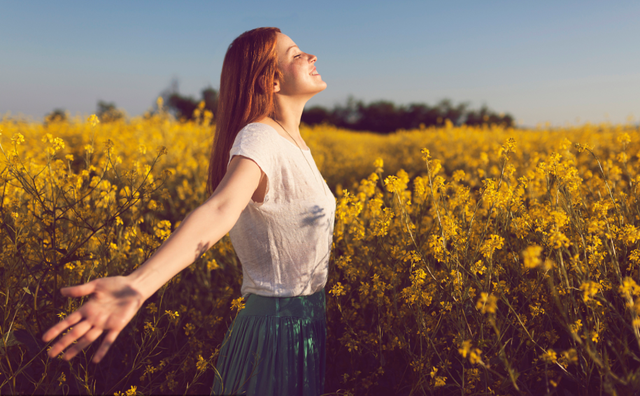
(284, 43)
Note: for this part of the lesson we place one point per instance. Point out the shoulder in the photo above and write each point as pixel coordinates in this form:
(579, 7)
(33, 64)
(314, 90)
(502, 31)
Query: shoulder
(258, 142)
(256, 131)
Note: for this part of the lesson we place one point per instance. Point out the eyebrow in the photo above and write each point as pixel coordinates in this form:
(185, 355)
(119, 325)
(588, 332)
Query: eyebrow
(293, 46)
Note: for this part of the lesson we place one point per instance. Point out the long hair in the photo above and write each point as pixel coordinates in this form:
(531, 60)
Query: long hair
(246, 93)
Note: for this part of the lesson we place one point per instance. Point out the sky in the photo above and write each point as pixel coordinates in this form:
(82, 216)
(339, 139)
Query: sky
(562, 62)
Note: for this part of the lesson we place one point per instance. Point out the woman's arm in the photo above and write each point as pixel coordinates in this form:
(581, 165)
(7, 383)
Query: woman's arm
(201, 229)
(115, 300)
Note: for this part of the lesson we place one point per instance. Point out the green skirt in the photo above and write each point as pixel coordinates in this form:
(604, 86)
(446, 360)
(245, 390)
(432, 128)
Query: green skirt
(275, 346)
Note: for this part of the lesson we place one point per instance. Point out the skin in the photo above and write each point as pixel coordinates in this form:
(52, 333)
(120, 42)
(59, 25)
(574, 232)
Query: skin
(115, 300)
(300, 82)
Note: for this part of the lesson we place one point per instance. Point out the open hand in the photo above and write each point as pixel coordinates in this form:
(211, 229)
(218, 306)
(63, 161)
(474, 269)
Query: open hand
(112, 304)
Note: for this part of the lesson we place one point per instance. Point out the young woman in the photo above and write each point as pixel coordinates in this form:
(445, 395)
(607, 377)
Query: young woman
(268, 195)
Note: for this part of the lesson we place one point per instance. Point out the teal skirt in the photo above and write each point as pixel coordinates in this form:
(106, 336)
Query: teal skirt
(275, 346)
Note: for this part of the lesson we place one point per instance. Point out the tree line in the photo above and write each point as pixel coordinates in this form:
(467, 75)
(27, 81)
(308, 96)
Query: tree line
(378, 116)
(385, 116)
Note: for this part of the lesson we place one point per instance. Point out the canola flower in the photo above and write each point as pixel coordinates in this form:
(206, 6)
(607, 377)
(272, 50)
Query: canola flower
(485, 260)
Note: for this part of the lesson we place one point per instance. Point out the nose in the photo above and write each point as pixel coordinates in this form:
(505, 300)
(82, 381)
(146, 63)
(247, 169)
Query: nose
(312, 58)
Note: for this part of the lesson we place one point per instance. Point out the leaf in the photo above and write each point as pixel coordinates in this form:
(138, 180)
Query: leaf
(8, 340)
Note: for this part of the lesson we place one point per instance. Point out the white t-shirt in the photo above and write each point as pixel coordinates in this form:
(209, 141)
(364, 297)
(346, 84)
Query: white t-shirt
(284, 242)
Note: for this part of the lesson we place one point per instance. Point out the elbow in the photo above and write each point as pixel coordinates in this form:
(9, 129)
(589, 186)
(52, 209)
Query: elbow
(219, 218)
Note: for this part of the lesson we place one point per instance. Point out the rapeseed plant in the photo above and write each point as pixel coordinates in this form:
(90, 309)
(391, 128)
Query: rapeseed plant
(466, 260)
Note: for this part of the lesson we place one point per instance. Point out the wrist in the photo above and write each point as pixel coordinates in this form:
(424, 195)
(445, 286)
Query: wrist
(141, 286)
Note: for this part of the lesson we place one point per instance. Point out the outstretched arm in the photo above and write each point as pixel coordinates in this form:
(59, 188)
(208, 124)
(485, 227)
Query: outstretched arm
(201, 229)
(115, 300)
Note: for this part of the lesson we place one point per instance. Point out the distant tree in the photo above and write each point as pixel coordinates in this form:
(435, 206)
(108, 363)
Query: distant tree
(453, 113)
(347, 116)
(380, 116)
(108, 112)
(183, 107)
(316, 115)
(210, 97)
(57, 115)
(418, 114)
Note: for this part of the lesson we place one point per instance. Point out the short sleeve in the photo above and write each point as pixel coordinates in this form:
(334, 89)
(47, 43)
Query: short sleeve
(255, 141)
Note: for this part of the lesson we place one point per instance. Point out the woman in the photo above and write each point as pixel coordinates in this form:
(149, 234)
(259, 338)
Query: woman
(268, 195)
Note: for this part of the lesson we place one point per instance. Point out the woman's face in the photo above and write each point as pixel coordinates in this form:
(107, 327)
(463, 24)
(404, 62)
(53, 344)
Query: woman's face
(299, 75)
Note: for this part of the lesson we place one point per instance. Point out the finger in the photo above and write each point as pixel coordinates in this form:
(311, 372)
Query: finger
(79, 290)
(82, 343)
(106, 344)
(61, 326)
(77, 332)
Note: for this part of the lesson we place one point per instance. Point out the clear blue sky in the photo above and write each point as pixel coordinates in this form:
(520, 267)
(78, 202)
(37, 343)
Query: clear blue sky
(556, 61)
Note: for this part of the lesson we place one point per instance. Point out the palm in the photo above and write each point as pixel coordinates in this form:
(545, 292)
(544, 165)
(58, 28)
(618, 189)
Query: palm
(112, 304)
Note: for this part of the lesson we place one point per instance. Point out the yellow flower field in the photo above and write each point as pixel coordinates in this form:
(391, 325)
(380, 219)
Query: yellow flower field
(466, 260)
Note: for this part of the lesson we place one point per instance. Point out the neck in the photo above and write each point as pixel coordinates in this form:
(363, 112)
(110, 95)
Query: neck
(289, 112)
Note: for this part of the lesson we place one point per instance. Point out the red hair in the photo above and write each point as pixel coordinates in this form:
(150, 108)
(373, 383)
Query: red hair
(249, 71)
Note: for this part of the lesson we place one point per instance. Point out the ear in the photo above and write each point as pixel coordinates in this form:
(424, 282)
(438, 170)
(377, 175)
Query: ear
(276, 86)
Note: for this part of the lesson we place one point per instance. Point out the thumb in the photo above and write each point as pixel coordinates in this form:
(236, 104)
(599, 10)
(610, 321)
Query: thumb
(79, 290)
